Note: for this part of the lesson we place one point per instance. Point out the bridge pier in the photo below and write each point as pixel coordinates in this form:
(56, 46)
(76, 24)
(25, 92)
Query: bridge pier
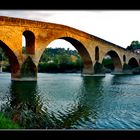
(93, 75)
(126, 69)
(87, 72)
(22, 79)
(27, 72)
(117, 72)
(97, 70)
(19, 77)
(0, 69)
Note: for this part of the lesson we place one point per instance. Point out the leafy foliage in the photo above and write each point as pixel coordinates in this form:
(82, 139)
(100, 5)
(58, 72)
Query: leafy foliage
(4, 61)
(7, 123)
(134, 45)
(60, 60)
(108, 63)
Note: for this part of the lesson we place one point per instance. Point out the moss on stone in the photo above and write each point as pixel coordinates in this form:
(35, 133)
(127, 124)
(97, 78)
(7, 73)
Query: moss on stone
(28, 68)
(126, 67)
(98, 68)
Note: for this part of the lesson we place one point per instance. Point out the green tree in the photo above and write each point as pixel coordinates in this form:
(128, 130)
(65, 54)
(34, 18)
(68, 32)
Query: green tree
(134, 45)
(108, 63)
(59, 60)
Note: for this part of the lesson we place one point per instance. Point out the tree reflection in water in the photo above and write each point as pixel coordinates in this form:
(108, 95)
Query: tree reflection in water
(24, 106)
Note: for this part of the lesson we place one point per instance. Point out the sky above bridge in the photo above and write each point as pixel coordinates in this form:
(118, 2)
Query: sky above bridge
(120, 27)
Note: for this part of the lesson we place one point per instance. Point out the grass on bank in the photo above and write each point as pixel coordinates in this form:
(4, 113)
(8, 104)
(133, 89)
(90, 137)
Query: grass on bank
(6, 123)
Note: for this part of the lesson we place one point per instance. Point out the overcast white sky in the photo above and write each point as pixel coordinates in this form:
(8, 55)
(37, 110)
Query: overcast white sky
(120, 27)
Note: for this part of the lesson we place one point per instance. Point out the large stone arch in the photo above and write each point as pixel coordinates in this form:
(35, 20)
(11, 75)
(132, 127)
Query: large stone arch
(12, 38)
(116, 60)
(13, 60)
(133, 63)
(87, 61)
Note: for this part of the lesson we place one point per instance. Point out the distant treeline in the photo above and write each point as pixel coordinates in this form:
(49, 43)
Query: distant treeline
(52, 60)
(60, 60)
(57, 60)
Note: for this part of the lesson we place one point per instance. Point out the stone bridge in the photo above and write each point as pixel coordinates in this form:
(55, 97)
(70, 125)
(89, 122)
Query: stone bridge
(38, 35)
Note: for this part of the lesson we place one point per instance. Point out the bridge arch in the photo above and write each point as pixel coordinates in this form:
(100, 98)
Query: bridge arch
(97, 53)
(29, 47)
(84, 54)
(124, 58)
(133, 63)
(13, 60)
(115, 59)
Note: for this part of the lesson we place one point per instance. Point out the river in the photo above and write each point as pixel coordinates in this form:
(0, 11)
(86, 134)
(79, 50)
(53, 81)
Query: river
(71, 101)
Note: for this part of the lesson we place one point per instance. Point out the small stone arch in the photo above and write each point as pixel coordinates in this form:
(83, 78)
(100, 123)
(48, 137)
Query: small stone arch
(29, 47)
(124, 58)
(97, 53)
(116, 60)
(133, 63)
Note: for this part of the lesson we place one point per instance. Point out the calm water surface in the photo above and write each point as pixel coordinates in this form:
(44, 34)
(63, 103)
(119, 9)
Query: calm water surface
(70, 101)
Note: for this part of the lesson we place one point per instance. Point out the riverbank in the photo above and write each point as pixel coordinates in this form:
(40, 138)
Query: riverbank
(7, 123)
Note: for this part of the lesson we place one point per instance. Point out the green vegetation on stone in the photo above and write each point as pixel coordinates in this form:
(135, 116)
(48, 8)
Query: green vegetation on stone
(98, 68)
(126, 67)
(28, 68)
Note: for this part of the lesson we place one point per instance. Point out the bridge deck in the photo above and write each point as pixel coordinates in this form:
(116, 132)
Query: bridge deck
(4, 20)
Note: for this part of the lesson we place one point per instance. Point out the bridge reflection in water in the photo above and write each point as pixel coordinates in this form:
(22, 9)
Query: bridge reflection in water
(25, 107)
(70, 101)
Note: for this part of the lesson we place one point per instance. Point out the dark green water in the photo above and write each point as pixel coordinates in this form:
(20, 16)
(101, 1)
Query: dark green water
(70, 101)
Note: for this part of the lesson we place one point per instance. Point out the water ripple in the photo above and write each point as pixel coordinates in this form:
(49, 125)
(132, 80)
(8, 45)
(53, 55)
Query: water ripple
(70, 101)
